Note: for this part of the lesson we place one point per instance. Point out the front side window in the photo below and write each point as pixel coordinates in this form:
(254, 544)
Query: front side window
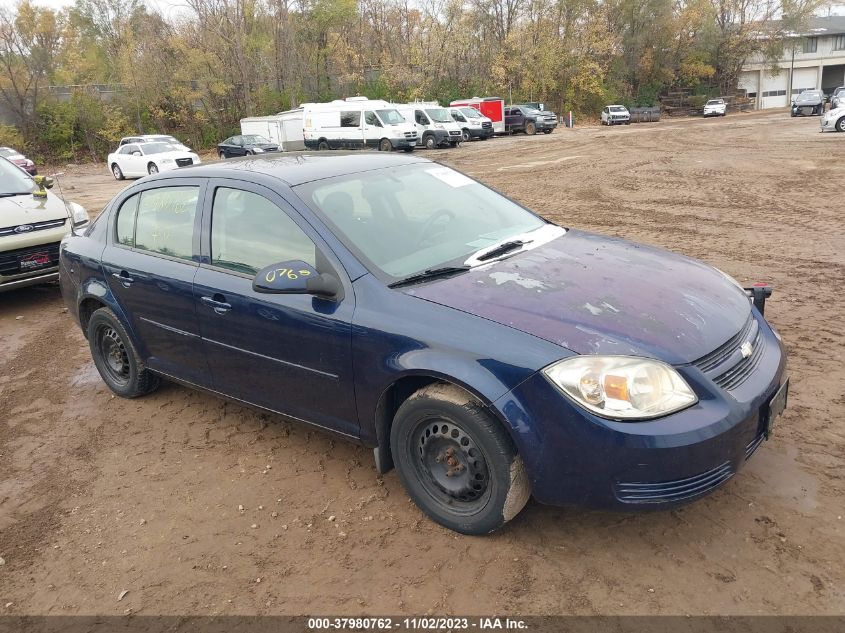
(404, 220)
(439, 115)
(458, 116)
(249, 232)
(471, 113)
(165, 221)
(390, 117)
(350, 119)
(371, 119)
(128, 149)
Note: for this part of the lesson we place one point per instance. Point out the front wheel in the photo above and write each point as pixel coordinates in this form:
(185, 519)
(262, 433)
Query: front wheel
(840, 124)
(385, 145)
(465, 136)
(530, 129)
(222, 155)
(430, 142)
(456, 461)
(152, 168)
(547, 131)
(116, 358)
(322, 146)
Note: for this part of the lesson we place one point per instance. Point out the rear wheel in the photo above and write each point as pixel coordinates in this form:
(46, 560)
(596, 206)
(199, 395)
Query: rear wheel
(152, 168)
(116, 172)
(116, 358)
(385, 145)
(456, 461)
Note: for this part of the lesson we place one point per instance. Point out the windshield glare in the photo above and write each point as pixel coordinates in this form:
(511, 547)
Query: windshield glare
(440, 115)
(7, 151)
(471, 113)
(617, 108)
(390, 117)
(158, 148)
(14, 180)
(404, 220)
(255, 139)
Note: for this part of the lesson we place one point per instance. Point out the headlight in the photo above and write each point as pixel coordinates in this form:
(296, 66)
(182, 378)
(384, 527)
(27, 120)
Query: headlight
(622, 387)
(257, 150)
(79, 214)
(439, 126)
(165, 161)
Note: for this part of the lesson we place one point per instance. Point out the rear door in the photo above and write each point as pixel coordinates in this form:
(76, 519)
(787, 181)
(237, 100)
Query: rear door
(287, 353)
(150, 261)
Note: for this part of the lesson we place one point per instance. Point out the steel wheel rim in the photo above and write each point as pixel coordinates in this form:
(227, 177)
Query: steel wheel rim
(153, 169)
(114, 354)
(450, 465)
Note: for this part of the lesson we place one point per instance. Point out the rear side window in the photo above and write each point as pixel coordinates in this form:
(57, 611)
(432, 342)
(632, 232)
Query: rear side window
(249, 232)
(125, 229)
(165, 221)
(350, 119)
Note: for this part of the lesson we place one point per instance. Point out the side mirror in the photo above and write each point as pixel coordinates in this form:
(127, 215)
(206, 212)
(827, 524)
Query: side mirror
(45, 182)
(296, 277)
(136, 153)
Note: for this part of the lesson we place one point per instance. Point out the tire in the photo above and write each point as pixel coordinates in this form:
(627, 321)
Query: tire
(407, 150)
(117, 172)
(465, 135)
(115, 357)
(840, 124)
(152, 168)
(323, 146)
(222, 155)
(430, 142)
(488, 485)
(547, 131)
(530, 128)
(384, 145)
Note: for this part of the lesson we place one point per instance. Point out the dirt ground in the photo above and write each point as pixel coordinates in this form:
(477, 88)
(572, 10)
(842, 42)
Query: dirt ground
(100, 495)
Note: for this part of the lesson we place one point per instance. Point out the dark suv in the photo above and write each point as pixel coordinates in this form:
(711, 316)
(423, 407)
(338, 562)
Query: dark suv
(522, 118)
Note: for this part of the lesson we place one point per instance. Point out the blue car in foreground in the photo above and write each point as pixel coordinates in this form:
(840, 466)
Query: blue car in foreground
(486, 353)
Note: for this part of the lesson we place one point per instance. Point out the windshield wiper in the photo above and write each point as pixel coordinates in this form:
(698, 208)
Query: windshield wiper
(11, 194)
(502, 249)
(431, 273)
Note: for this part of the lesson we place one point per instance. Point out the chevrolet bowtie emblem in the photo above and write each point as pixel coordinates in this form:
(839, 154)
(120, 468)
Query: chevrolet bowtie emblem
(747, 349)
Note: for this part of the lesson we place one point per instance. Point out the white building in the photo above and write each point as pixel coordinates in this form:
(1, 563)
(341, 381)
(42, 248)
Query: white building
(819, 62)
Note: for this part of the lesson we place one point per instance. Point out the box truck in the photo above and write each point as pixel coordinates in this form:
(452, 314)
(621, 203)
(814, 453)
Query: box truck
(284, 128)
(491, 107)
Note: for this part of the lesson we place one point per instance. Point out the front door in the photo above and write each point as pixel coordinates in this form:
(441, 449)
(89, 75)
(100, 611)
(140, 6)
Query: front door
(150, 267)
(287, 353)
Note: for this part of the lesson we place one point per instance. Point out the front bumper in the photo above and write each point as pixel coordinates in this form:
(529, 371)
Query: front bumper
(714, 112)
(576, 458)
(828, 124)
(480, 132)
(618, 120)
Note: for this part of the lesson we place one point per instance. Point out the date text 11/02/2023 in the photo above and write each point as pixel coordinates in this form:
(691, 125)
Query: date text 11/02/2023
(418, 623)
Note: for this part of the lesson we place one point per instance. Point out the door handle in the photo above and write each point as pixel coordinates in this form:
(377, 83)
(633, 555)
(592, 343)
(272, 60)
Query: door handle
(220, 307)
(124, 278)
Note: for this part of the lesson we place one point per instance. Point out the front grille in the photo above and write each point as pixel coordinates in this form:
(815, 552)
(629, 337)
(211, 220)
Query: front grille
(740, 372)
(486, 125)
(184, 162)
(724, 351)
(10, 260)
(753, 445)
(36, 226)
(675, 490)
(454, 132)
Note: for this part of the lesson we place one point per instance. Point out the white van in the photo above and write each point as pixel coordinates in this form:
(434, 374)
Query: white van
(472, 123)
(435, 126)
(284, 128)
(356, 123)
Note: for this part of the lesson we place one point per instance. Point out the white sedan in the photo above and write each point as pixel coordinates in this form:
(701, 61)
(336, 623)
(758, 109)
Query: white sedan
(715, 107)
(139, 159)
(834, 119)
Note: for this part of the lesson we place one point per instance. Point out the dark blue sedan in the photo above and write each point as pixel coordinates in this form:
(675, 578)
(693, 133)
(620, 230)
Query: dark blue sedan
(487, 353)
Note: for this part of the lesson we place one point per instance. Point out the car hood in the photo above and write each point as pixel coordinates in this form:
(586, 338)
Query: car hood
(29, 210)
(597, 295)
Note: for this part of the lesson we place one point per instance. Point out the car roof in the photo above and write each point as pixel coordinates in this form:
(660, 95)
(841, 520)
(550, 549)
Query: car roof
(296, 168)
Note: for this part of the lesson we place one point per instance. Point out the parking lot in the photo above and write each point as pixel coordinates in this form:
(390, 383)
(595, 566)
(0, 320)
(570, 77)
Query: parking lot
(193, 505)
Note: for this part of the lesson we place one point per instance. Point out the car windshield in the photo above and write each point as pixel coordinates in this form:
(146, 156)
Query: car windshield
(158, 148)
(617, 108)
(470, 113)
(530, 110)
(255, 139)
(390, 117)
(7, 151)
(165, 139)
(13, 180)
(809, 96)
(404, 220)
(715, 102)
(440, 115)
